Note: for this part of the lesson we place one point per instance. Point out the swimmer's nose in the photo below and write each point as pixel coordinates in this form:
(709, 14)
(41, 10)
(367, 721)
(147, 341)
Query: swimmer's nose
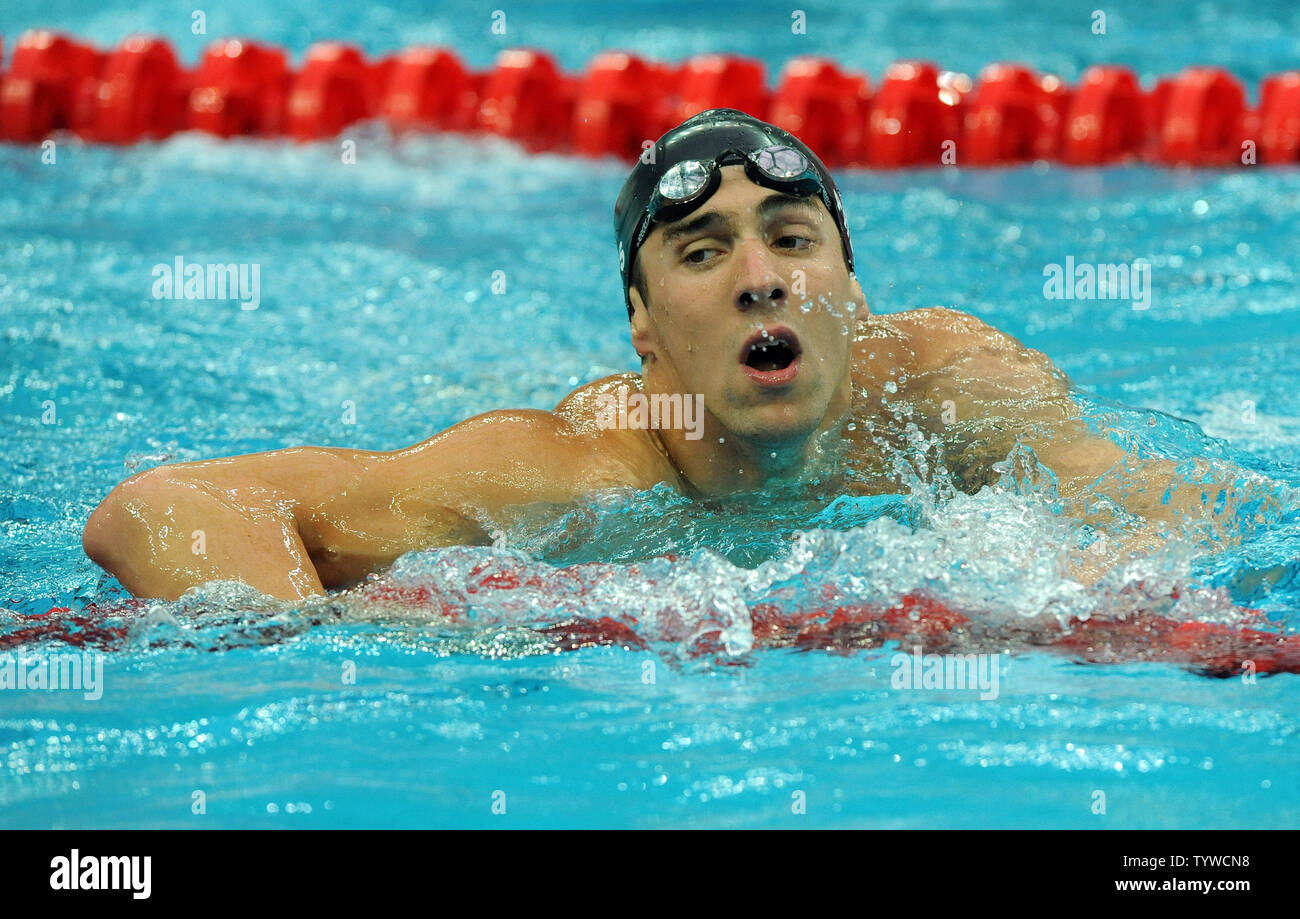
(759, 284)
(761, 296)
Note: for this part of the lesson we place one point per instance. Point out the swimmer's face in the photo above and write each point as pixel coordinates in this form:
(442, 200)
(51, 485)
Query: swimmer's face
(750, 261)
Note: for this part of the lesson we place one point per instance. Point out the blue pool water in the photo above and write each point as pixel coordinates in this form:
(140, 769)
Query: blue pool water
(376, 290)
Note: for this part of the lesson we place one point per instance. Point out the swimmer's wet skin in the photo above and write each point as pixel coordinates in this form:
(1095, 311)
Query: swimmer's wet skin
(737, 268)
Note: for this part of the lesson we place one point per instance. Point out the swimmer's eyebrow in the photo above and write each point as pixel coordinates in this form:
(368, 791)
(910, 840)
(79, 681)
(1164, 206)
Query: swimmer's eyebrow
(778, 202)
(709, 220)
(713, 221)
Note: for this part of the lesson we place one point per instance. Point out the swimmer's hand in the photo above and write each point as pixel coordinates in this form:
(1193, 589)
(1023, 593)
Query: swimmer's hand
(292, 523)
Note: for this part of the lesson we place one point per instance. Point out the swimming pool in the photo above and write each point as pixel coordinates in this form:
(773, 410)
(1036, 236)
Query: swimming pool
(377, 292)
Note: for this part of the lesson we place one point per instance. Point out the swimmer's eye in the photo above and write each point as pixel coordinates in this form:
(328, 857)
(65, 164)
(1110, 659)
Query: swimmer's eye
(699, 256)
(791, 241)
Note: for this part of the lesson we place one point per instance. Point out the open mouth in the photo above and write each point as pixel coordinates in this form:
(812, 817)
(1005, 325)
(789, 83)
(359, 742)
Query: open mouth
(770, 355)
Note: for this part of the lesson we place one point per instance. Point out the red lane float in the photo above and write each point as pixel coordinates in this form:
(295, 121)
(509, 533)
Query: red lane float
(913, 116)
(239, 88)
(526, 99)
(44, 84)
(142, 93)
(619, 106)
(1201, 123)
(1279, 118)
(915, 620)
(1014, 116)
(1106, 120)
(919, 115)
(428, 88)
(332, 91)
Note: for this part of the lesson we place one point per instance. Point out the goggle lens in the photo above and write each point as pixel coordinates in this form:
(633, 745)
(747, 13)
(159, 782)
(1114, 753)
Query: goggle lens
(683, 180)
(781, 162)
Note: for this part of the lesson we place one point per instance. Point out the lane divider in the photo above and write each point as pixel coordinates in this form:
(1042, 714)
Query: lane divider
(918, 115)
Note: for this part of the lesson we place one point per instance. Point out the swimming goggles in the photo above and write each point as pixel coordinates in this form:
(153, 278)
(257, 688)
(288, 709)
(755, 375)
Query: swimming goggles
(689, 184)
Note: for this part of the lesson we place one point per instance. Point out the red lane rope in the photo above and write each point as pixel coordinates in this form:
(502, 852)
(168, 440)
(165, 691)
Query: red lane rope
(917, 116)
(915, 620)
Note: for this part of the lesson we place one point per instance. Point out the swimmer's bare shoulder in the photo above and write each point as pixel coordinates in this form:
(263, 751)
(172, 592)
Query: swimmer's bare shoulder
(936, 337)
(294, 522)
(950, 355)
(638, 453)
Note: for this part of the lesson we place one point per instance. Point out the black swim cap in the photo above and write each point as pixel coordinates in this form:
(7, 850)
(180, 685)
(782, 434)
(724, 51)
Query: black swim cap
(706, 137)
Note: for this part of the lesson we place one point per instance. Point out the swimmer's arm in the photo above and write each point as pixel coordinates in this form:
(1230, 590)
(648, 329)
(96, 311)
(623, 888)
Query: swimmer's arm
(998, 390)
(237, 518)
(295, 522)
(449, 489)
(1093, 471)
(989, 391)
(1164, 501)
(165, 530)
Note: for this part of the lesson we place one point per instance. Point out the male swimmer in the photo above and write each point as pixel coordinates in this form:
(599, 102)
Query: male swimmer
(737, 269)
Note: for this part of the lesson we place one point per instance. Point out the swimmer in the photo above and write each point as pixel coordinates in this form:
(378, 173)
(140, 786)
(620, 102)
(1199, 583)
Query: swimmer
(739, 283)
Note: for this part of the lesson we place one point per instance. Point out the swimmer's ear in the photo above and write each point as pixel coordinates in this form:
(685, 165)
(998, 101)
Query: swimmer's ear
(643, 336)
(861, 298)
